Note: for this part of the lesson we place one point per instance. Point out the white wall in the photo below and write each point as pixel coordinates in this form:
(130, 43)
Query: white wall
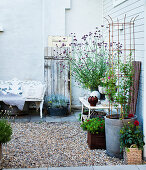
(144, 106)
(21, 47)
(54, 18)
(83, 17)
(27, 24)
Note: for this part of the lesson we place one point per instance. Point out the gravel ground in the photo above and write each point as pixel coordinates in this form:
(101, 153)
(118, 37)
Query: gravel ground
(51, 145)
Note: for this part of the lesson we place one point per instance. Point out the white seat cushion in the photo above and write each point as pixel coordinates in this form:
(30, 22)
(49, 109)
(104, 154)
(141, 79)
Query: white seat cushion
(35, 91)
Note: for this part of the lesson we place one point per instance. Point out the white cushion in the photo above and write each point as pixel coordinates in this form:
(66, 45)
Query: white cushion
(30, 91)
(4, 87)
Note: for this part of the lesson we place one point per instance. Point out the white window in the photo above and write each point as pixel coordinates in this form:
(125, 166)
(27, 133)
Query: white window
(118, 2)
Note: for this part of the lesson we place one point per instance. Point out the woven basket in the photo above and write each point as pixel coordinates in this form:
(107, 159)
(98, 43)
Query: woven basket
(132, 156)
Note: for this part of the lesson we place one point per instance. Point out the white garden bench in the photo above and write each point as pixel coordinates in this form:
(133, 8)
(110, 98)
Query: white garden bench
(23, 91)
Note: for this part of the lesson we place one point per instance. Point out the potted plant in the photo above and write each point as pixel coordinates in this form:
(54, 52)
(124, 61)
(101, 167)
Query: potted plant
(119, 97)
(87, 59)
(57, 105)
(5, 133)
(131, 141)
(96, 132)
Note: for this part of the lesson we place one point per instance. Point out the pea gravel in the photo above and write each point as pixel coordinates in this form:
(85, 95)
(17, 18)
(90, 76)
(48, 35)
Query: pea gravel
(45, 144)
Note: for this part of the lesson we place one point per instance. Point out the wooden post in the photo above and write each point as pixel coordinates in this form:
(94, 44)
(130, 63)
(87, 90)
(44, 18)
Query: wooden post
(0, 151)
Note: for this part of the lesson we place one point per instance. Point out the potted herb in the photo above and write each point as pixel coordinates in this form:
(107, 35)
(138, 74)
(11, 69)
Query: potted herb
(5, 133)
(131, 141)
(57, 105)
(96, 132)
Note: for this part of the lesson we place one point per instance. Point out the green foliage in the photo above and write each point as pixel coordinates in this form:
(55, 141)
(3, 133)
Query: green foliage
(126, 81)
(94, 125)
(5, 131)
(79, 116)
(117, 81)
(131, 135)
(109, 82)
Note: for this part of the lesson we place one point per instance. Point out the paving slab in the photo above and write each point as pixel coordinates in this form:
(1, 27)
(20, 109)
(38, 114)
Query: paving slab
(22, 120)
(72, 168)
(28, 169)
(70, 118)
(37, 119)
(117, 167)
(77, 115)
(53, 119)
(141, 167)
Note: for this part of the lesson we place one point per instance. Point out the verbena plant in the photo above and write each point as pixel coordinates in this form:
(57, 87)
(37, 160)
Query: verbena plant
(130, 135)
(94, 125)
(88, 58)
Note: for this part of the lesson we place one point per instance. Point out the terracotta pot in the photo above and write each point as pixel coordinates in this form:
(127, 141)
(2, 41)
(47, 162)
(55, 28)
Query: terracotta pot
(92, 100)
(96, 141)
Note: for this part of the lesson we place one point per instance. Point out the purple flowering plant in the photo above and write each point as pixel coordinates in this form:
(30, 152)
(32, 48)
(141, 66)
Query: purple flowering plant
(88, 59)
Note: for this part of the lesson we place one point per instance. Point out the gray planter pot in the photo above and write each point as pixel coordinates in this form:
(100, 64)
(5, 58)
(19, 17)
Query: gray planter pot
(112, 132)
(63, 111)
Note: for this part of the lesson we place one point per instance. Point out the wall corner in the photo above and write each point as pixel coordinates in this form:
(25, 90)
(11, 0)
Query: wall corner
(67, 4)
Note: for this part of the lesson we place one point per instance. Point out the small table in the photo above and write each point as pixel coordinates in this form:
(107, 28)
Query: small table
(86, 104)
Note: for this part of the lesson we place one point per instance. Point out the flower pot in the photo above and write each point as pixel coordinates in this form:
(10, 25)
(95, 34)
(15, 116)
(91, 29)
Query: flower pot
(93, 100)
(106, 99)
(102, 90)
(95, 94)
(112, 132)
(132, 156)
(58, 111)
(96, 141)
(84, 117)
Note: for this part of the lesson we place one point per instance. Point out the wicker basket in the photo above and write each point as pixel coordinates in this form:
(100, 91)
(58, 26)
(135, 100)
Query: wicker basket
(132, 156)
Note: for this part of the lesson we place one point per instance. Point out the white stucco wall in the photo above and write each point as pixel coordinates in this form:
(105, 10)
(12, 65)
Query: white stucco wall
(54, 18)
(21, 49)
(144, 106)
(27, 24)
